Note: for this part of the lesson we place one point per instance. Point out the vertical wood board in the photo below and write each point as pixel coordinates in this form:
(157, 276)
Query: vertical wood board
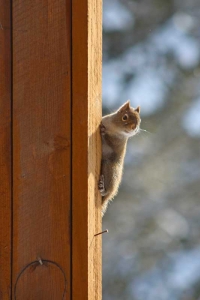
(41, 149)
(54, 138)
(5, 149)
(86, 98)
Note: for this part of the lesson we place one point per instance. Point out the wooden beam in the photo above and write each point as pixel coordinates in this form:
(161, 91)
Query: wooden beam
(56, 149)
(42, 149)
(86, 149)
(5, 149)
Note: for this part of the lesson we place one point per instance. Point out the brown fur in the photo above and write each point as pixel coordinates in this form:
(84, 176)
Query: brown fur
(116, 128)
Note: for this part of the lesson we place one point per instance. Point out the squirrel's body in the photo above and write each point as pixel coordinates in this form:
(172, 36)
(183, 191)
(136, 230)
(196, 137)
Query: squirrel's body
(115, 129)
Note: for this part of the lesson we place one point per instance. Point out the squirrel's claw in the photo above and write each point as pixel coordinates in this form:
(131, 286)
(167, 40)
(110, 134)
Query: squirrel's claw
(102, 129)
(101, 185)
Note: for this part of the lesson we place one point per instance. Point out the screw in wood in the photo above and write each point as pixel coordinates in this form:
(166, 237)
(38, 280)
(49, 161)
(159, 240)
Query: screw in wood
(40, 261)
(105, 231)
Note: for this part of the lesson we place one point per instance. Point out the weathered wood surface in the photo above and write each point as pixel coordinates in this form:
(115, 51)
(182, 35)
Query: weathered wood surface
(86, 93)
(41, 148)
(5, 150)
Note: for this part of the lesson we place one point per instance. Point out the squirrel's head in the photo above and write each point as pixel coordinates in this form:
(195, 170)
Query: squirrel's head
(128, 119)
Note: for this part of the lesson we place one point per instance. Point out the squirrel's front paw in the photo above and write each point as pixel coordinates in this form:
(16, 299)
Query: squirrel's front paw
(101, 185)
(102, 129)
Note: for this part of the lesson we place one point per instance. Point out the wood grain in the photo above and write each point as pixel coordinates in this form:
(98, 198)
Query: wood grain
(86, 153)
(53, 142)
(5, 150)
(41, 146)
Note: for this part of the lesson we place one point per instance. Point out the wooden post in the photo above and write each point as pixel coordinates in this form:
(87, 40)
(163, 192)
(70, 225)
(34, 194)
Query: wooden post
(50, 105)
(41, 149)
(86, 95)
(5, 149)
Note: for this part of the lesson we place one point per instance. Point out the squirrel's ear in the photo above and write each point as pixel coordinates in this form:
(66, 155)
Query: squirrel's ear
(138, 109)
(125, 106)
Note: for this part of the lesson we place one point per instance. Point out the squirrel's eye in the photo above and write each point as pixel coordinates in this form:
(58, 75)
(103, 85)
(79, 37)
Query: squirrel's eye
(125, 117)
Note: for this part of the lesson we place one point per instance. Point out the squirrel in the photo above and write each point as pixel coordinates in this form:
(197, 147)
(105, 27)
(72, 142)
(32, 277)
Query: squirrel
(115, 129)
